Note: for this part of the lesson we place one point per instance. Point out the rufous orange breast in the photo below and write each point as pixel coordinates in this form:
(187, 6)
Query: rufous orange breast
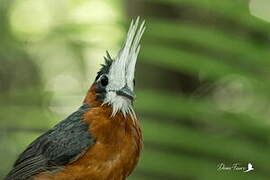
(115, 153)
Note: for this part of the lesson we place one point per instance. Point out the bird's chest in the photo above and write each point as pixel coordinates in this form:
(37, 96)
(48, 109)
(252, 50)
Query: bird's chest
(114, 154)
(116, 151)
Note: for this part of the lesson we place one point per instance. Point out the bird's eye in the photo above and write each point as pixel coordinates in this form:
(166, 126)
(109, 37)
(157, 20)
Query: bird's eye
(104, 80)
(134, 82)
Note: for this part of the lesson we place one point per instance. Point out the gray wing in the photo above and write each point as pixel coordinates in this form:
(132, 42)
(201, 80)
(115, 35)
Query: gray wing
(57, 147)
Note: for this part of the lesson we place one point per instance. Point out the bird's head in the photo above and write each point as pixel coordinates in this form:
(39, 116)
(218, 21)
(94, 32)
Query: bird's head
(114, 84)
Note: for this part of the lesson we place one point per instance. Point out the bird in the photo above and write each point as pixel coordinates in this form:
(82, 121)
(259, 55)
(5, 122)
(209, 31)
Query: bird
(249, 168)
(102, 140)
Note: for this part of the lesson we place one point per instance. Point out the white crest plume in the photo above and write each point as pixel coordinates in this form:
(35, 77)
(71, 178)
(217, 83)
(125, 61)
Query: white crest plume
(122, 70)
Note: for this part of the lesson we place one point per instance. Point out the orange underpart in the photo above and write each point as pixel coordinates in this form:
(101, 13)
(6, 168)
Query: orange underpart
(90, 97)
(115, 153)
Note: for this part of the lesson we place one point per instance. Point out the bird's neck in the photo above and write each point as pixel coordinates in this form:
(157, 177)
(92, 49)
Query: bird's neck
(91, 97)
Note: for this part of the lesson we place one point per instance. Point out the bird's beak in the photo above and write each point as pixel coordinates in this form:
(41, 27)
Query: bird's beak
(126, 92)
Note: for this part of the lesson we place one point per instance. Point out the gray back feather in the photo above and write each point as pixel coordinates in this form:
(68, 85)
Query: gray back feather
(54, 149)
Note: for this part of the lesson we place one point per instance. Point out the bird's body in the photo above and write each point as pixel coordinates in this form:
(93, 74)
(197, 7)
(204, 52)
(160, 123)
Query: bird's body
(100, 141)
(114, 154)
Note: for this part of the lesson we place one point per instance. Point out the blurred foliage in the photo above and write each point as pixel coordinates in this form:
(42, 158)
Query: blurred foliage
(202, 79)
(212, 61)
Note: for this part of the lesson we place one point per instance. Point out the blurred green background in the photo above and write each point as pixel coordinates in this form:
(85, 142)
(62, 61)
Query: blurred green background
(202, 79)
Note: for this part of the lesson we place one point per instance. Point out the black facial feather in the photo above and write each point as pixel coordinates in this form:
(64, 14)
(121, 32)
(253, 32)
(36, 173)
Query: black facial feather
(101, 89)
(106, 66)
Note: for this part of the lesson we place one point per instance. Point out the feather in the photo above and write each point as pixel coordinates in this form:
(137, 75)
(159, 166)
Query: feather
(122, 69)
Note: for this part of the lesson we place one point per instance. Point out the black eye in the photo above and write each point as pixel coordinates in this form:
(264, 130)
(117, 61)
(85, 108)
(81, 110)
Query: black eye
(134, 82)
(104, 80)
